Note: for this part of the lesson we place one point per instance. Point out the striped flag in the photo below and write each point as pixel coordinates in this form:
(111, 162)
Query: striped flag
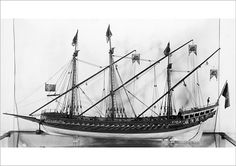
(50, 87)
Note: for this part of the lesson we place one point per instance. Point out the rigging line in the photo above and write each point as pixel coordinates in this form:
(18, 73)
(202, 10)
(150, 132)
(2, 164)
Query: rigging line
(172, 88)
(41, 85)
(79, 105)
(126, 92)
(134, 82)
(199, 90)
(82, 82)
(103, 90)
(162, 101)
(65, 72)
(140, 101)
(66, 100)
(155, 89)
(147, 60)
(180, 71)
(89, 63)
(90, 100)
(191, 95)
(64, 84)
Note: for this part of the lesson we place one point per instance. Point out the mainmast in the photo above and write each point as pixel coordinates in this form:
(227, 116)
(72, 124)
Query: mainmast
(73, 84)
(111, 72)
(169, 95)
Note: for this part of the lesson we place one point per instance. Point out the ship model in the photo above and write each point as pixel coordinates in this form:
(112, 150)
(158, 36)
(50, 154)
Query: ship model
(71, 119)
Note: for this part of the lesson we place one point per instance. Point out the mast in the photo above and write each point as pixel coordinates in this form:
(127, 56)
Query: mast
(111, 71)
(73, 83)
(169, 95)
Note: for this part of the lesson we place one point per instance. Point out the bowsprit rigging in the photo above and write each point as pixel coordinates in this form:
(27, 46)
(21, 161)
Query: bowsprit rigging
(118, 116)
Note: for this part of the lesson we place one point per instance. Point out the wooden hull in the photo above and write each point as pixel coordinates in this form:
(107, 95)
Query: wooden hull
(191, 132)
(146, 128)
(159, 127)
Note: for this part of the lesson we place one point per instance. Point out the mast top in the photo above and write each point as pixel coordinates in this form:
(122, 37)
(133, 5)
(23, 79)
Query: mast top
(75, 43)
(108, 34)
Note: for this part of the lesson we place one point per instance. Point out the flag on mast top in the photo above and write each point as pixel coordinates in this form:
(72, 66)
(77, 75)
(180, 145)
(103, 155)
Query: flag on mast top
(167, 49)
(108, 34)
(225, 93)
(75, 40)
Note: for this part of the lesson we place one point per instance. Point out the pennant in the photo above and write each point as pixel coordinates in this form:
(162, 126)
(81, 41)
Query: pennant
(136, 57)
(108, 34)
(75, 39)
(225, 93)
(50, 87)
(167, 49)
(192, 48)
(213, 73)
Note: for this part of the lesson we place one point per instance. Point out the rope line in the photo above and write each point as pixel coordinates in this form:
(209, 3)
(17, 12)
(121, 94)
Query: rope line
(126, 93)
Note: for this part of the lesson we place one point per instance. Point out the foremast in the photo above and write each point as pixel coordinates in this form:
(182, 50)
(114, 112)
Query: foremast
(74, 73)
(169, 95)
(111, 73)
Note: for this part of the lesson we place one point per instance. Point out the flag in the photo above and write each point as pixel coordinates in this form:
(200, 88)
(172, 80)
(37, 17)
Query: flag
(50, 87)
(192, 48)
(108, 33)
(136, 57)
(225, 93)
(167, 50)
(213, 73)
(75, 39)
